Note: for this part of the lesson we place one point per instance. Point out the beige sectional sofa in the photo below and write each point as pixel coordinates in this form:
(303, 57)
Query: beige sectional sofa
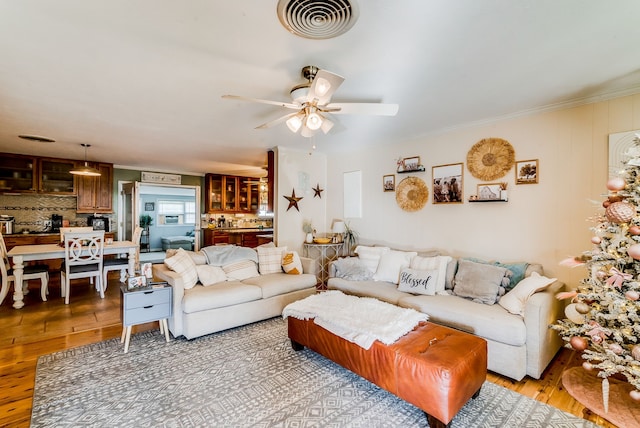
(519, 340)
(236, 297)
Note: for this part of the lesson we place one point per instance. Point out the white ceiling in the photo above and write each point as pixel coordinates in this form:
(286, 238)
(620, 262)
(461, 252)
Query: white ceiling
(142, 80)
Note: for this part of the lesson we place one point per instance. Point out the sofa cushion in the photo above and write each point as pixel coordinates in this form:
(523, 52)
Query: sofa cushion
(438, 263)
(416, 281)
(391, 263)
(270, 259)
(240, 270)
(381, 290)
(516, 300)
(291, 263)
(370, 256)
(478, 281)
(209, 275)
(274, 284)
(491, 322)
(200, 298)
(183, 265)
(352, 268)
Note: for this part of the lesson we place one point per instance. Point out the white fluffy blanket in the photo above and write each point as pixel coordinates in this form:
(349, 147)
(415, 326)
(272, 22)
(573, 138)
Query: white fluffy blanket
(361, 320)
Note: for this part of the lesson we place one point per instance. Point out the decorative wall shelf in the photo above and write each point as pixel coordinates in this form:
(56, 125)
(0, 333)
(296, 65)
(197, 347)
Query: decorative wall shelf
(420, 169)
(488, 200)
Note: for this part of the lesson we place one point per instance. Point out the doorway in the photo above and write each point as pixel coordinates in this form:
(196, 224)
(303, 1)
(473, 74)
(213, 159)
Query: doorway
(174, 211)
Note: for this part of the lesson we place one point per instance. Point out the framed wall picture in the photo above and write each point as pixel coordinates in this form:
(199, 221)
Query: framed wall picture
(448, 184)
(527, 171)
(149, 206)
(389, 183)
(411, 164)
(489, 191)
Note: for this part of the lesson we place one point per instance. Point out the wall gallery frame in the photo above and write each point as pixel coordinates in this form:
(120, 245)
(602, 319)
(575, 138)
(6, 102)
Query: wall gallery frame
(448, 184)
(389, 183)
(527, 171)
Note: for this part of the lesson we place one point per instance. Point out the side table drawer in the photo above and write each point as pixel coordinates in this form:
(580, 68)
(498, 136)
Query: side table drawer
(147, 298)
(146, 314)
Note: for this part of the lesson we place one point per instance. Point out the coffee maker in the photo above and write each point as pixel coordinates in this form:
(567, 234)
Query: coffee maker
(56, 222)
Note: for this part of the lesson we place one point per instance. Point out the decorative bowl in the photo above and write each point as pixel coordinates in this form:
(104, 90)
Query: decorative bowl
(321, 240)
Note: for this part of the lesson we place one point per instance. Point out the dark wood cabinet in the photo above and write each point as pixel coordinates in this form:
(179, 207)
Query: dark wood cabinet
(54, 176)
(31, 174)
(231, 194)
(95, 194)
(17, 173)
(213, 237)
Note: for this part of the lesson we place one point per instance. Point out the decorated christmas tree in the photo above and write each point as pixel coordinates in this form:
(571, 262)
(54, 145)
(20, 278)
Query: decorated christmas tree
(603, 317)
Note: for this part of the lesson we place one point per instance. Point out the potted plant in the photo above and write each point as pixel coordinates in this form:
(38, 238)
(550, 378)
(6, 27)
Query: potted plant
(145, 221)
(350, 239)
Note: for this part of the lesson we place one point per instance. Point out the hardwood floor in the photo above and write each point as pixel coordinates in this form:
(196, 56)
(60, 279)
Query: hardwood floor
(41, 328)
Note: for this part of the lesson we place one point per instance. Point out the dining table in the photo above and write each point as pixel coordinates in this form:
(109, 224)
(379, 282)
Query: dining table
(27, 253)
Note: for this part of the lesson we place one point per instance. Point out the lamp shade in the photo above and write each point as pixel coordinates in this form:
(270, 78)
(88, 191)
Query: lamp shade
(338, 227)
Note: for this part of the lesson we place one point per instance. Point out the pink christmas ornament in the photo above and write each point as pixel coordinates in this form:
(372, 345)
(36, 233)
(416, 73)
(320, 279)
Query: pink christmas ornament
(587, 366)
(615, 348)
(615, 184)
(635, 352)
(620, 212)
(578, 343)
(596, 240)
(634, 230)
(635, 394)
(634, 251)
(632, 295)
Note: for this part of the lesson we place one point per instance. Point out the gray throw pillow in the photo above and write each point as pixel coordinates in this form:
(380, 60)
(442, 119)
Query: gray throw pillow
(479, 282)
(352, 268)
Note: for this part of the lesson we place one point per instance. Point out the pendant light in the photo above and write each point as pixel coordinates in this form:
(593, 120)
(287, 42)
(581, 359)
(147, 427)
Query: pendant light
(85, 170)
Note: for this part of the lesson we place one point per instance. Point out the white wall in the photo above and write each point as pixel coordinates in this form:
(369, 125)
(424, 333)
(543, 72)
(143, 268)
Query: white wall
(301, 171)
(543, 222)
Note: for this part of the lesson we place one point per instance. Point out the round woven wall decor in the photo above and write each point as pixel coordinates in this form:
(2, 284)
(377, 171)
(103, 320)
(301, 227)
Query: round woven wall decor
(412, 194)
(490, 158)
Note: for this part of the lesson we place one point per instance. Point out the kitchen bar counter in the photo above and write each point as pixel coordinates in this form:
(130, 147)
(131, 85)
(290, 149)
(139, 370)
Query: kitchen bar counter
(245, 237)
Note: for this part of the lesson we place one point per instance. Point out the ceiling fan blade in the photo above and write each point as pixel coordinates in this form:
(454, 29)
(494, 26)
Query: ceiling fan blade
(376, 109)
(323, 86)
(276, 121)
(257, 100)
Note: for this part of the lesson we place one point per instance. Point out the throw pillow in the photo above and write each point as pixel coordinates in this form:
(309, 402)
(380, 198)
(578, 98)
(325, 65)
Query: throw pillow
(270, 259)
(209, 275)
(241, 270)
(518, 269)
(370, 256)
(515, 300)
(351, 268)
(479, 282)
(438, 263)
(291, 263)
(391, 263)
(184, 266)
(416, 281)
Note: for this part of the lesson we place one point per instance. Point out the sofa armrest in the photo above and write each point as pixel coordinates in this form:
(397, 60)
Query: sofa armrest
(176, 281)
(543, 309)
(308, 265)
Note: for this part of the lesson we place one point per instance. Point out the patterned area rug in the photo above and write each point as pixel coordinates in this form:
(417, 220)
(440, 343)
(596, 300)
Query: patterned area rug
(243, 377)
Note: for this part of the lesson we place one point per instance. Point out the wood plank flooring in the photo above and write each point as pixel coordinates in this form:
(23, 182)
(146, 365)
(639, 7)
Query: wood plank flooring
(41, 328)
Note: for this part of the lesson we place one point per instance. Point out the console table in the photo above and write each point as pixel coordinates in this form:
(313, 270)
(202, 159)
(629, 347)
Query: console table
(323, 254)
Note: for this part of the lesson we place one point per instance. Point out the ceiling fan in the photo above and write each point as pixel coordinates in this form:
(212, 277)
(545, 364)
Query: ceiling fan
(311, 100)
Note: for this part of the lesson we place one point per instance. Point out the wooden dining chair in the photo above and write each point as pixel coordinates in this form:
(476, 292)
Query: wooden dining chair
(40, 272)
(122, 263)
(83, 257)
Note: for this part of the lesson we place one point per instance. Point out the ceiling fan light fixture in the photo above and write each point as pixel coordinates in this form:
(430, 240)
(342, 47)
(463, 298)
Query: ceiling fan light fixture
(314, 121)
(294, 123)
(326, 125)
(85, 169)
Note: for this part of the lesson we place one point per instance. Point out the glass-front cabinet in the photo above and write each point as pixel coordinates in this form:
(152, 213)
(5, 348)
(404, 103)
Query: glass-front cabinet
(214, 192)
(55, 176)
(232, 194)
(17, 173)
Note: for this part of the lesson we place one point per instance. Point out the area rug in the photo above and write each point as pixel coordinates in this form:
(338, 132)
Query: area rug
(243, 377)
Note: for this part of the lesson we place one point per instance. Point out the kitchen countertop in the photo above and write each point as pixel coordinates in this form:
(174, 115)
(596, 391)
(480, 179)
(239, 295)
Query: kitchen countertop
(241, 229)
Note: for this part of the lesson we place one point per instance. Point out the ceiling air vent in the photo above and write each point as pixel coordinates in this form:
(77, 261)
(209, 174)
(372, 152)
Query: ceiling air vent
(318, 19)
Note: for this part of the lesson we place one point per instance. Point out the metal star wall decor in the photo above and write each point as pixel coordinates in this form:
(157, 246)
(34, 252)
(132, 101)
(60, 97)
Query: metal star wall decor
(317, 191)
(293, 200)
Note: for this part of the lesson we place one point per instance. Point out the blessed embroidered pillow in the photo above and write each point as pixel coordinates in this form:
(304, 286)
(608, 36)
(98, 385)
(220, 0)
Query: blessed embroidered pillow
(418, 281)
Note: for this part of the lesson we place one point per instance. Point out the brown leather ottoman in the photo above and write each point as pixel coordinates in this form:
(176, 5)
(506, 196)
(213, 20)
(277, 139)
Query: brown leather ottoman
(435, 368)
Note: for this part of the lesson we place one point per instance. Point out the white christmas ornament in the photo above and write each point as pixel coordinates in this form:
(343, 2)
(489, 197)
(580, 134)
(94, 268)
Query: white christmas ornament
(575, 316)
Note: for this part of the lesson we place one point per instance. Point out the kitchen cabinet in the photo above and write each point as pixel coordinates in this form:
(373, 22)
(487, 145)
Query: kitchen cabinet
(244, 239)
(231, 194)
(54, 176)
(213, 237)
(95, 194)
(17, 173)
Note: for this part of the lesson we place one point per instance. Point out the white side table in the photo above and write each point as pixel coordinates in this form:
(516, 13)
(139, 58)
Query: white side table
(323, 254)
(144, 305)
